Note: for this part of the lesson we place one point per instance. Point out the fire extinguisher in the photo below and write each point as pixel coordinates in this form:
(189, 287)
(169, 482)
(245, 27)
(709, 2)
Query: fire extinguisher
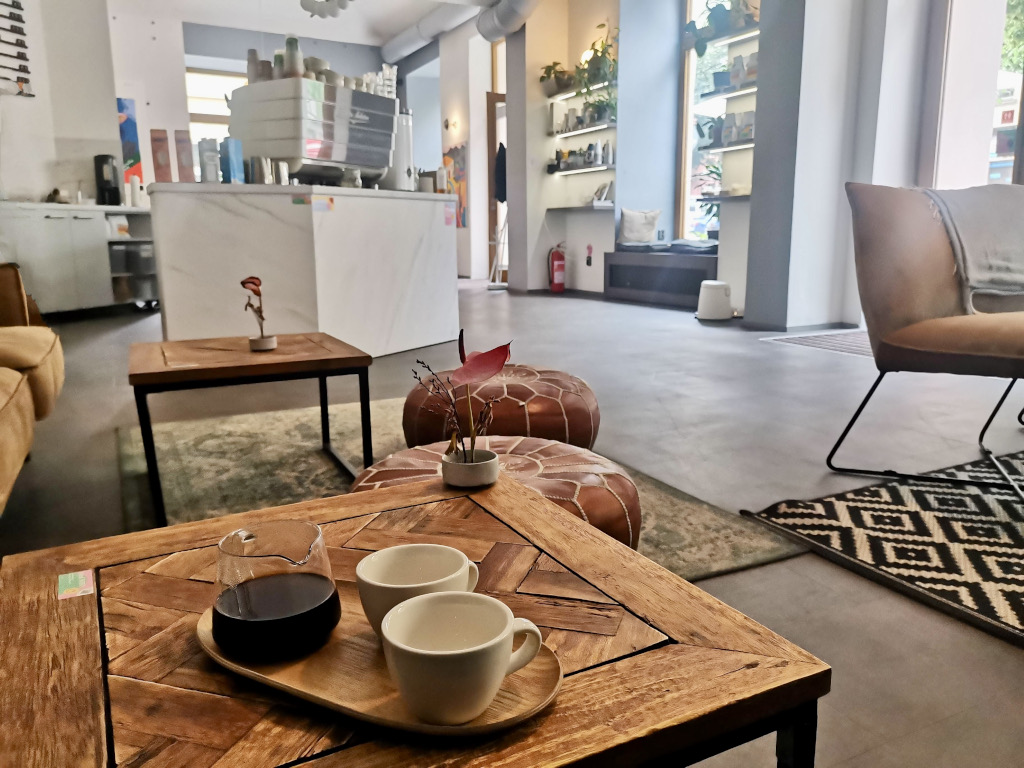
(556, 268)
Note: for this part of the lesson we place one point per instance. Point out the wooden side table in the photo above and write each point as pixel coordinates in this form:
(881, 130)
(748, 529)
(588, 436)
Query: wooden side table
(657, 672)
(169, 366)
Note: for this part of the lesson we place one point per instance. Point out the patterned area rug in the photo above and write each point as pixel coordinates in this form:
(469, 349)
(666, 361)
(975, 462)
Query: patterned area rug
(959, 549)
(215, 467)
(847, 342)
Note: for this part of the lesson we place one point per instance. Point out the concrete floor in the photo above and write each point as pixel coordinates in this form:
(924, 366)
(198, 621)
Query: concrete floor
(709, 409)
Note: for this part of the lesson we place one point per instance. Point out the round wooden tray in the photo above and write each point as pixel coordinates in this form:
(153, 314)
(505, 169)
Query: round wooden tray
(349, 675)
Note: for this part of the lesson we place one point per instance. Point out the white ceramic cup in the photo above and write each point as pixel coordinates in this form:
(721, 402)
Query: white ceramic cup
(389, 576)
(449, 652)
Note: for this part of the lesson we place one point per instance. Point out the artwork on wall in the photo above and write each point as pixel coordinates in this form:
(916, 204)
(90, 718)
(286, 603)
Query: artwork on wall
(455, 165)
(131, 154)
(161, 155)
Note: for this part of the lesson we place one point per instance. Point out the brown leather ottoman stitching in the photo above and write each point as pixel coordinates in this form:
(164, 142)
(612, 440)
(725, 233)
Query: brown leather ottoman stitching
(578, 480)
(532, 402)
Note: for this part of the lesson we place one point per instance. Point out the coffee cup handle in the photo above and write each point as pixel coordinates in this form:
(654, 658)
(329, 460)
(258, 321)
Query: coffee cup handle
(529, 648)
(474, 576)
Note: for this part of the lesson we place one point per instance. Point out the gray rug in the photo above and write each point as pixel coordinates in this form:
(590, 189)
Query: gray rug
(853, 342)
(219, 466)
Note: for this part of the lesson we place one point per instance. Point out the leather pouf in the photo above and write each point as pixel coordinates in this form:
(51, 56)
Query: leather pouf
(531, 403)
(588, 485)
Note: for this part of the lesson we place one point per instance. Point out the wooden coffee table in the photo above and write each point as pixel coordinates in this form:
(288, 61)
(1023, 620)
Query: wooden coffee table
(167, 366)
(657, 671)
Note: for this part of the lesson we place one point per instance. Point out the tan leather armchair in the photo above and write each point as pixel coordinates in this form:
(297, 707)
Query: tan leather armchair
(31, 375)
(915, 316)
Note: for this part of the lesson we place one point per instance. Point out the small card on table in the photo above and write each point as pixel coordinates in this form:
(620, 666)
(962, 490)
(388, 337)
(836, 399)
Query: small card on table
(75, 584)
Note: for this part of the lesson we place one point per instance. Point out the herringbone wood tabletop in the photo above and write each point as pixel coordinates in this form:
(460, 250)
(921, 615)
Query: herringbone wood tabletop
(650, 660)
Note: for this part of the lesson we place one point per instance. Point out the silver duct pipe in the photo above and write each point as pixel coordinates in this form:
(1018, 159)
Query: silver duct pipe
(437, 22)
(503, 19)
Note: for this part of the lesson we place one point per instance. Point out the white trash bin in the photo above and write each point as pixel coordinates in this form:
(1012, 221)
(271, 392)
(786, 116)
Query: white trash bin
(714, 301)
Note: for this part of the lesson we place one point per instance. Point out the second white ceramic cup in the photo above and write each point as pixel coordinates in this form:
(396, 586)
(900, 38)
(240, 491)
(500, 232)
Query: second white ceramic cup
(389, 576)
(449, 652)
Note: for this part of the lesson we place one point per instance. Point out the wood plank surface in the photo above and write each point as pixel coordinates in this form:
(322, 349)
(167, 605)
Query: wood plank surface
(51, 695)
(652, 662)
(684, 612)
(636, 709)
(176, 362)
(113, 550)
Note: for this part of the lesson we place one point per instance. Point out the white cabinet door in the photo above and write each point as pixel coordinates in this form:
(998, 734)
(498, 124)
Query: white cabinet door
(91, 259)
(40, 242)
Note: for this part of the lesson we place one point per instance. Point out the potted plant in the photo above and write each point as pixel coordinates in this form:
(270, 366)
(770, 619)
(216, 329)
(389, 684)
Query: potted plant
(723, 17)
(556, 79)
(598, 64)
(462, 466)
(603, 107)
(261, 343)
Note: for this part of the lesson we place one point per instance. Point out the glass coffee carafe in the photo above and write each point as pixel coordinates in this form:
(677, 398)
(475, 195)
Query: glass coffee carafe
(276, 595)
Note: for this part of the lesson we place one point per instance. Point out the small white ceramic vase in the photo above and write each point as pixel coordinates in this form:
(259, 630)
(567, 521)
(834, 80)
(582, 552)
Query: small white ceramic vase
(262, 343)
(482, 470)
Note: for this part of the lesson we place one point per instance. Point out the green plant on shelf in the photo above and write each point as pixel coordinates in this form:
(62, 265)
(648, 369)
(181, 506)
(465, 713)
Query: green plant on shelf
(723, 17)
(712, 177)
(602, 106)
(598, 64)
(561, 78)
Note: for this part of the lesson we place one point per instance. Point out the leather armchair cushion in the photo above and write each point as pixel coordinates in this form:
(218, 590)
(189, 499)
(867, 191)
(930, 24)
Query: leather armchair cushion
(971, 345)
(36, 352)
(17, 425)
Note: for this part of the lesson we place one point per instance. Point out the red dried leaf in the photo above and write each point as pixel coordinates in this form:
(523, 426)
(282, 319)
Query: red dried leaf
(480, 366)
(252, 284)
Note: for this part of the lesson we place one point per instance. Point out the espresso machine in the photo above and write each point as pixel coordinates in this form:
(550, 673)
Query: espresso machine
(108, 182)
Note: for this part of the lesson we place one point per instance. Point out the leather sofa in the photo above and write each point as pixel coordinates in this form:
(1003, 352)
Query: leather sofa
(31, 375)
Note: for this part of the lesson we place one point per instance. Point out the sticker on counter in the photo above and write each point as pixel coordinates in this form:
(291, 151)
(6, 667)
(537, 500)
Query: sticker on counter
(449, 214)
(300, 200)
(74, 584)
(322, 203)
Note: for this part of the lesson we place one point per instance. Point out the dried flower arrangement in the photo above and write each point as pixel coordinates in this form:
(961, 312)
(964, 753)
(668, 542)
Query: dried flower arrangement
(477, 367)
(253, 284)
(263, 343)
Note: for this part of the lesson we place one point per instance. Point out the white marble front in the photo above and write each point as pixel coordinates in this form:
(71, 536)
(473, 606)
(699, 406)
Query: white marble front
(376, 269)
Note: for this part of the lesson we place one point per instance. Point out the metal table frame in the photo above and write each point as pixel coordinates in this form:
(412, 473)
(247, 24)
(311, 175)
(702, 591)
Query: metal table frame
(142, 392)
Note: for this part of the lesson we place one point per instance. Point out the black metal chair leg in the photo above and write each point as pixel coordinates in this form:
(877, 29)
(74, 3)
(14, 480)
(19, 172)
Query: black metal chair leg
(1020, 417)
(987, 453)
(893, 475)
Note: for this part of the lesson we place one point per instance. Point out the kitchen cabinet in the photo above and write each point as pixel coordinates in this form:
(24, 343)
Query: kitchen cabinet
(63, 252)
(91, 255)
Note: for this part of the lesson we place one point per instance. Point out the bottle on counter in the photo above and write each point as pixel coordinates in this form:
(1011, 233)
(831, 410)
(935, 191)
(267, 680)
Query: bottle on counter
(252, 65)
(278, 65)
(293, 65)
(266, 71)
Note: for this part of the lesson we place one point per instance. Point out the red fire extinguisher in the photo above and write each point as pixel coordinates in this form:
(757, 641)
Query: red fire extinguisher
(556, 268)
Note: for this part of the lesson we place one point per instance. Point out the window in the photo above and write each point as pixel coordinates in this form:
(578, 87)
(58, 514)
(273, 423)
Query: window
(208, 112)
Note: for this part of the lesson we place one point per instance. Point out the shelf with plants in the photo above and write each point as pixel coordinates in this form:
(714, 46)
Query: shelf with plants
(743, 90)
(586, 129)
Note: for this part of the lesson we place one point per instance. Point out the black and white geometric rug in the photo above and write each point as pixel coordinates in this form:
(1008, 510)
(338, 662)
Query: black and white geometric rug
(957, 548)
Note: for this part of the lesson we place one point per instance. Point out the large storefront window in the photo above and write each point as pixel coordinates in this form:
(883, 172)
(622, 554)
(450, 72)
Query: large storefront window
(1006, 140)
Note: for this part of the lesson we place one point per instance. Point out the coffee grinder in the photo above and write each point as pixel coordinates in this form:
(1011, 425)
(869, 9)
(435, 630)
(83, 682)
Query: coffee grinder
(108, 185)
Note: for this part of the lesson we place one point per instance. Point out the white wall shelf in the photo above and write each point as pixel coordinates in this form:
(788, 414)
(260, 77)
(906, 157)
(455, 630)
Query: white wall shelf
(588, 129)
(744, 91)
(730, 148)
(591, 169)
(573, 94)
(736, 37)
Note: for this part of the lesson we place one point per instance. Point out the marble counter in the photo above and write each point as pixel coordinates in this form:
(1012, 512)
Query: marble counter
(374, 268)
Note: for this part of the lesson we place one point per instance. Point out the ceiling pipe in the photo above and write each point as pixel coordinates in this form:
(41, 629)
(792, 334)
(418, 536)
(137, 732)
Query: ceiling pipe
(503, 19)
(433, 25)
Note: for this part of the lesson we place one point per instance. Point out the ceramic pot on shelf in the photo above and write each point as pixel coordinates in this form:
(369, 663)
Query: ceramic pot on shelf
(482, 470)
